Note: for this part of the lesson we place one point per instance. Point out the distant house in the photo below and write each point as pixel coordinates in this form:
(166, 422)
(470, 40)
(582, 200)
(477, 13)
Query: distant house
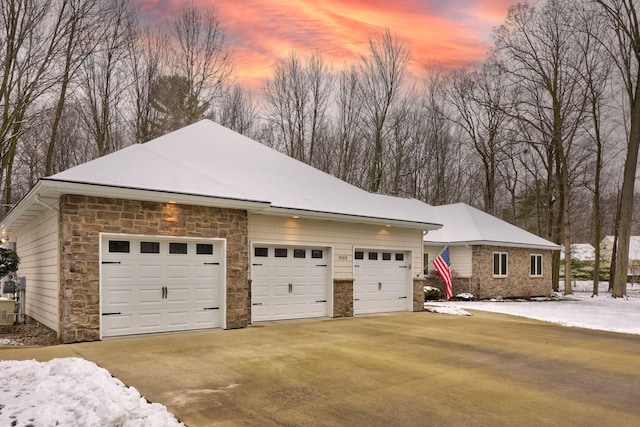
(490, 258)
(606, 249)
(584, 252)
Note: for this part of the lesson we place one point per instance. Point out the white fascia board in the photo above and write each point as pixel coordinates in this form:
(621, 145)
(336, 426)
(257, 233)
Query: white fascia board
(148, 195)
(289, 212)
(552, 247)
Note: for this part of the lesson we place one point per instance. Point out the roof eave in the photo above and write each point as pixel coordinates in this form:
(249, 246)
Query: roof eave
(552, 246)
(51, 189)
(390, 222)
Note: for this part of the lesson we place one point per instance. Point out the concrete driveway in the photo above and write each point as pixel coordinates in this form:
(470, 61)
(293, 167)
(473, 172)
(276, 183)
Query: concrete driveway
(397, 369)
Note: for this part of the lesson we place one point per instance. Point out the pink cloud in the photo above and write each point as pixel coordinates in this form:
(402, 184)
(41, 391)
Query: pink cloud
(260, 32)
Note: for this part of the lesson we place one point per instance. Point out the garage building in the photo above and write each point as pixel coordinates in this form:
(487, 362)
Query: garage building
(206, 228)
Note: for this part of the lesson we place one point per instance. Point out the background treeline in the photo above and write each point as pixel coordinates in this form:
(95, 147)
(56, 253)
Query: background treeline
(542, 134)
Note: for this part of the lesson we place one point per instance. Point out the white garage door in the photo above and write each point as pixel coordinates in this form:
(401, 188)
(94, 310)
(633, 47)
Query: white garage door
(289, 282)
(153, 284)
(380, 281)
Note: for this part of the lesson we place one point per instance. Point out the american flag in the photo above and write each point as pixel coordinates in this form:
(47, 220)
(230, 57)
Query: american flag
(443, 266)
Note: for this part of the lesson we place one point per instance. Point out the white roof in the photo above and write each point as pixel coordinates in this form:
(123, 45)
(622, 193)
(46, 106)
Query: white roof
(581, 252)
(210, 164)
(634, 246)
(466, 225)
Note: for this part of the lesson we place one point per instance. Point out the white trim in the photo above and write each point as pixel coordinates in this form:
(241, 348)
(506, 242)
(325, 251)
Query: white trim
(493, 243)
(541, 265)
(500, 265)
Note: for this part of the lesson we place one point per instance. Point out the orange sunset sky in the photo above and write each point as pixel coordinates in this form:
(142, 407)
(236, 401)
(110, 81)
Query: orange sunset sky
(440, 34)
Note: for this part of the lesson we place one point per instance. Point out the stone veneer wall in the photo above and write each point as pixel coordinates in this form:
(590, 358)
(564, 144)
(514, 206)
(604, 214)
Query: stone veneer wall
(418, 293)
(82, 218)
(518, 283)
(343, 298)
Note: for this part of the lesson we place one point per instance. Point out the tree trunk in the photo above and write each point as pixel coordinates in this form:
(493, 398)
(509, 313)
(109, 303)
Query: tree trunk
(626, 200)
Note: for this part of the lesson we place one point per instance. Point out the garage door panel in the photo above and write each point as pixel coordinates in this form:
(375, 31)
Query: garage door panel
(177, 296)
(116, 272)
(118, 325)
(205, 271)
(288, 287)
(380, 282)
(149, 271)
(205, 295)
(160, 291)
(204, 317)
(118, 297)
(177, 272)
(177, 319)
(148, 296)
(150, 321)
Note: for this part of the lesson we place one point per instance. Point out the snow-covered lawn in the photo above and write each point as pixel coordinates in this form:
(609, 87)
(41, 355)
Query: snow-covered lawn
(579, 310)
(72, 392)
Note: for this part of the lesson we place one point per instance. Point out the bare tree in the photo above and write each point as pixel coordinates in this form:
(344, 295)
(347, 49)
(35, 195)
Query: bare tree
(105, 77)
(623, 47)
(81, 21)
(596, 73)
(539, 51)
(238, 111)
(381, 75)
(32, 36)
(200, 55)
(147, 58)
(348, 135)
(297, 98)
(480, 101)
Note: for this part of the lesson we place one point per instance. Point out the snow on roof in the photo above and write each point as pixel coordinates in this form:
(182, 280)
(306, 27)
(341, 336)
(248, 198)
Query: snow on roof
(634, 246)
(581, 252)
(207, 159)
(463, 224)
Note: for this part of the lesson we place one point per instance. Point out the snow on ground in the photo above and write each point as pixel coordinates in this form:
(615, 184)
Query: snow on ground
(72, 392)
(456, 311)
(578, 310)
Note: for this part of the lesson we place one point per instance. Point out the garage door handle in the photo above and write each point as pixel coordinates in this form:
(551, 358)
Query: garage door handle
(257, 303)
(111, 262)
(356, 299)
(111, 314)
(379, 286)
(211, 263)
(321, 265)
(402, 297)
(322, 300)
(290, 288)
(212, 308)
(256, 264)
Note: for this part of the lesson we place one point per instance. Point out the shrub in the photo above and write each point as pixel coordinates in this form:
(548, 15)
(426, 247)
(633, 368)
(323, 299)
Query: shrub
(9, 261)
(431, 293)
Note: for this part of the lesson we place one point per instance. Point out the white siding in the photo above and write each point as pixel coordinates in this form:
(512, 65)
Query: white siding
(460, 257)
(341, 236)
(37, 246)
